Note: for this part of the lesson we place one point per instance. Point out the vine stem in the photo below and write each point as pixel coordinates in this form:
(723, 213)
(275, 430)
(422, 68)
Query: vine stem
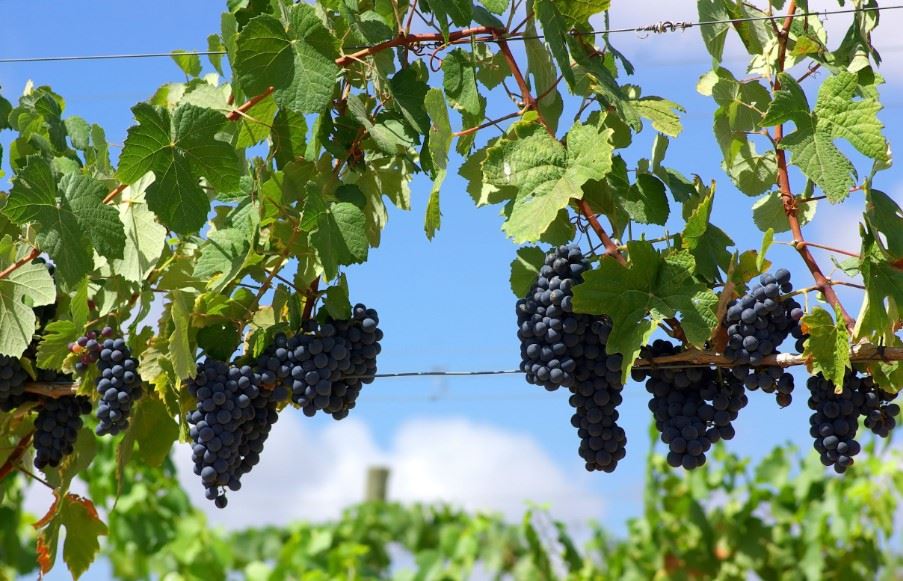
(408, 40)
(488, 123)
(861, 353)
(17, 453)
(828, 248)
(249, 104)
(787, 194)
(116, 191)
(311, 299)
(20, 263)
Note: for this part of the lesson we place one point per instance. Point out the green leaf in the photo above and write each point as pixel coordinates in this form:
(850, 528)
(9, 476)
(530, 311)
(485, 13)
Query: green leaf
(882, 305)
(433, 219)
(83, 528)
(714, 35)
(409, 92)
(36, 199)
(828, 347)
(646, 201)
(99, 221)
(768, 213)
(706, 242)
(189, 63)
(766, 244)
(337, 303)
(341, 237)
(578, 11)
(144, 236)
(179, 150)
(661, 112)
(440, 136)
(789, 104)
(555, 30)
(181, 353)
(844, 116)
(459, 82)
(214, 44)
(289, 136)
(649, 283)
(153, 429)
(546, 174)
(54, 346)
(884, 215)
(496, 6)
(525, 269)
(254, 126)
(819, 159)
(299, 61)
(265, 55)
(544, 75)
(222, 257)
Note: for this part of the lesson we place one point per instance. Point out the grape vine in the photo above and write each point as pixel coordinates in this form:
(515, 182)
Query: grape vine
(219, 241)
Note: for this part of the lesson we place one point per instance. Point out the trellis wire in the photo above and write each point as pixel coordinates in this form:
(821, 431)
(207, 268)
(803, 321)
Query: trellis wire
(661, 27)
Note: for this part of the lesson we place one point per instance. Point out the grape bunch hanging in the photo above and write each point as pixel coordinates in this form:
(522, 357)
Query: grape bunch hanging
(693, 406)
(322, 368)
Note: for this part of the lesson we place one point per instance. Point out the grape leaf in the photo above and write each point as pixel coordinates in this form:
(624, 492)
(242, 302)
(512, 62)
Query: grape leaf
(83, 528)
(525, 269)
(144, 236)
(54, 346)
(289, 136)
(555, 30)
(814, 152)
(645, 200)
(885, 216)
(179, 149)
(546, 174)
(181, 352)
(298, 60)
(222, 257)
(153, 429)
(409, 90)
(769, 213)
(433, 219)
(340, 237)
(706, 242)
(17, 320)
(189, 63)
(35, 198)
(459, 82)
(540, 68)
(661, 112)
(649, 283)
(882, 305)
(337, 302)
(99, 221)
(579, 11)
(827, 349)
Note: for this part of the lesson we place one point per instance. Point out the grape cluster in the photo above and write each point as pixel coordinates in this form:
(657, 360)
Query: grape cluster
(551, 335)
(835, 419)
(563, 348)
(757, 325)
(595, 396)
(880, 415)
(693, 407)
(12, 383)
(331, 365)
(118, 382)
(229, 424)
(56, 428)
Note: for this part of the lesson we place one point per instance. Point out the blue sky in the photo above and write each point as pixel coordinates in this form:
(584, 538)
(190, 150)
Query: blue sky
(446, 304)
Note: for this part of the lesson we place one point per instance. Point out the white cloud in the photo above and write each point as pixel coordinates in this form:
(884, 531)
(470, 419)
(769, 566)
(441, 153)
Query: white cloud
(315, 473)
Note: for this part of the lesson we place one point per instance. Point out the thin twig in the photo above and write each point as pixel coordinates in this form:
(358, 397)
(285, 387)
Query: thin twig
(488, 123)
(16, 455)
(20, 263)
(249, 104)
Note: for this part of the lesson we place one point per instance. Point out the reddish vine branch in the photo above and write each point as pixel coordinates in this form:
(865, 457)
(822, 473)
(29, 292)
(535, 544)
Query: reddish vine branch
(16, 455)
(20, 263)
(409, 40)
(311, 299)
(787, 194)
(249, 104)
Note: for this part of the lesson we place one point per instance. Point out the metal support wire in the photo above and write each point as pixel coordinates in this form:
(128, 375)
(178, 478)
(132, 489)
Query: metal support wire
(657, 28)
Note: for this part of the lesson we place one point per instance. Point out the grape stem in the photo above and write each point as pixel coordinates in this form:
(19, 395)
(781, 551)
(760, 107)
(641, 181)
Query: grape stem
(249, 104)
(783, 179)
(20, 449)
(20, 263)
